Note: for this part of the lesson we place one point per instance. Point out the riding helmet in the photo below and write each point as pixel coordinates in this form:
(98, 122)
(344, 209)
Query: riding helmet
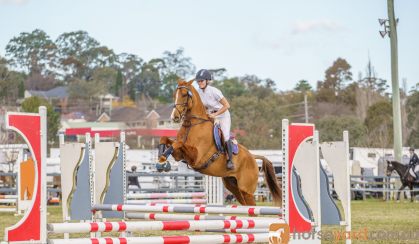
(411, 149)
(203, 74)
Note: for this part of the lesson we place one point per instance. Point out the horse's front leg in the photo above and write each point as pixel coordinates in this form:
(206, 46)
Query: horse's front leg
(165, 148)
(398, 192)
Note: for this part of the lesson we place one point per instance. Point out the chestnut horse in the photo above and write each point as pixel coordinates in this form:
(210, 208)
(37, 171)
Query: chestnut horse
(195, 146)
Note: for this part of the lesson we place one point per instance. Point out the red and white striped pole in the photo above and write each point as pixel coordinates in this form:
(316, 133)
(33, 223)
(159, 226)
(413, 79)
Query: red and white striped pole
(158, 225)
(197, 239)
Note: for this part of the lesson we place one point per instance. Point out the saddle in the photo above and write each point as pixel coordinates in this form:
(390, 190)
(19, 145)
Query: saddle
(220, 143)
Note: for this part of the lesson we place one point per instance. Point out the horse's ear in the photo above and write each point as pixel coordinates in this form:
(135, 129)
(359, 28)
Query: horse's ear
(190, 82)
(179, 80)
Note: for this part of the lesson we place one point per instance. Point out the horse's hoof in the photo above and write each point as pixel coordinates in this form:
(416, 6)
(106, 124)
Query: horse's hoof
(162, 159)
(159, 167)
(167, 167)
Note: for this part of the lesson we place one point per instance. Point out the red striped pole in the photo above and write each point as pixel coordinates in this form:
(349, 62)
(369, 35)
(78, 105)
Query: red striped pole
(159, 225)
(249, 210)
(166, 195)
(197, 239)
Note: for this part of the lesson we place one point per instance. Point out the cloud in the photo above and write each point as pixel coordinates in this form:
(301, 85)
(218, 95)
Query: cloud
(282, 43)
(14, 2)
(315, 25)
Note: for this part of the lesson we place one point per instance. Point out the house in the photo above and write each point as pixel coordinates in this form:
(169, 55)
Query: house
(57, 96)
(143, 127)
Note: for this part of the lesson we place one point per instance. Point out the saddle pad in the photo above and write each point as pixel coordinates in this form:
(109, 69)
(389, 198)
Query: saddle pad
(218, 135)
(235, 146)
(217, 138)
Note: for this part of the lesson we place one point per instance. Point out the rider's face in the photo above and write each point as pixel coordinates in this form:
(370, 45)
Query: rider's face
(202, 84)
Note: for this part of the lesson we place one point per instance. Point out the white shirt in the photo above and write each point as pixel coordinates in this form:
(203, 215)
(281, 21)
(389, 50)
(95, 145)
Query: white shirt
(211, 98)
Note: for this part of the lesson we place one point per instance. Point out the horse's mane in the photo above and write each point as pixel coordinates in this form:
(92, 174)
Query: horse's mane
(394, 162)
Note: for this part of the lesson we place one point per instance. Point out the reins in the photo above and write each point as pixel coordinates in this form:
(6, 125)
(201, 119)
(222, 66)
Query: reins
(187, 121)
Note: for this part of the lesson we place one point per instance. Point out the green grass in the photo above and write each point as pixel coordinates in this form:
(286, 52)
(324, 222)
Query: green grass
(372, 215)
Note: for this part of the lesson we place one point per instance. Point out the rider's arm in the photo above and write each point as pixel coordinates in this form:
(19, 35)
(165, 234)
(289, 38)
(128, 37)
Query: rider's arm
(415, 159)
(225, 107)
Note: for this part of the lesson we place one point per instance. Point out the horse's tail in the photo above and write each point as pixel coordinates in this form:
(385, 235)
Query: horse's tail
(271, 179)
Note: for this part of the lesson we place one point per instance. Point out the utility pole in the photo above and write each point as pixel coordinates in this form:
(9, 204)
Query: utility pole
(305, 107)
(391, 29)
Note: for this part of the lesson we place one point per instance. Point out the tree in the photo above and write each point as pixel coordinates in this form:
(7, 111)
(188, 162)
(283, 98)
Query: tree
(106, 77)
(117, 89)
(130, 66)
(218, 74)
(34, 52)
(79, 54)
(379, 122)
(336, 78)
(331, 129)
(303, 86)
(175, 66)
(31, 105)
(231, 87)
(257, 86)
(148, 83)
(412, 109)
(86, 90)
(177, 63)
(258, 121)
(11, 83)
(371, 83)
(348, 95)
(40, 82)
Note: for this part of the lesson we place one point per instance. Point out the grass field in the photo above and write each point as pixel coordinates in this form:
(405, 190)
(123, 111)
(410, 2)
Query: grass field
(375, 217)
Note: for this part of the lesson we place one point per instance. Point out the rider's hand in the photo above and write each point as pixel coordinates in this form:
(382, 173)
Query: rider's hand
(212, 116)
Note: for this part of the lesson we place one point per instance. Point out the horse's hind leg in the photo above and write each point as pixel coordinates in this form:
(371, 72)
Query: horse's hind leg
(249, 198)
(412, 194)
(231, 184)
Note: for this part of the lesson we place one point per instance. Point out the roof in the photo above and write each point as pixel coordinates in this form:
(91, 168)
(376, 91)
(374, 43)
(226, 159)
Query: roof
(94, 125)
(57, 92)
(103, 132)
(127, 114)
(165, 111)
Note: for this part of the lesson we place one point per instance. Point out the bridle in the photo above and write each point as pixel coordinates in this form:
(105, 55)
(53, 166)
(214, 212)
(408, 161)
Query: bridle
(187, 121)
(390, 169)
(185, 104)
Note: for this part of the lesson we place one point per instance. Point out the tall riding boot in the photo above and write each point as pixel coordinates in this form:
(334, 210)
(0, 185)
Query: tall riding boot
(404, 178)
(230, 164)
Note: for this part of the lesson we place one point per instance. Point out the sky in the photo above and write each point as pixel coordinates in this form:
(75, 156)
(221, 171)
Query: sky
(283, 40)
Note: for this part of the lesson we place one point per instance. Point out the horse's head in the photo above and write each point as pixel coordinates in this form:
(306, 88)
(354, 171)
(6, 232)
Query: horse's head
(183, 100)
(390, 168)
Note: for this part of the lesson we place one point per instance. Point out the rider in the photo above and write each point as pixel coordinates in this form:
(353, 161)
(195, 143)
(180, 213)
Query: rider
(414, 160)
(217, 108)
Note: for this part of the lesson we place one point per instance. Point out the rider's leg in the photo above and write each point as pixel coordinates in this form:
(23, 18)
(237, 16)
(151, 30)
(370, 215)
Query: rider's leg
(230, 164)
(225, 124)
(406, 173)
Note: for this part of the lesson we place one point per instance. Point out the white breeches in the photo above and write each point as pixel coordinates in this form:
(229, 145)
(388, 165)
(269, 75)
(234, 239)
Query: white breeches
(225, 123)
